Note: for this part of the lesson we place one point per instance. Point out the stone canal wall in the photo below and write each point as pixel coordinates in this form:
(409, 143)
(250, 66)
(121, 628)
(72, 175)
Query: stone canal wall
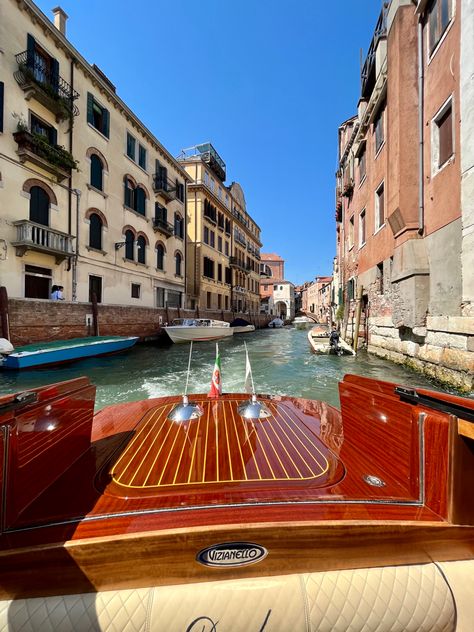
(32, 320)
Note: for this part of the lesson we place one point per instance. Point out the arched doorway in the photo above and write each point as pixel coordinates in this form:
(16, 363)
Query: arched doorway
(281, 310)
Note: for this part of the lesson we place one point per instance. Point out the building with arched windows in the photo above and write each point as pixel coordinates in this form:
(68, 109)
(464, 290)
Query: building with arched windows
(90, 199)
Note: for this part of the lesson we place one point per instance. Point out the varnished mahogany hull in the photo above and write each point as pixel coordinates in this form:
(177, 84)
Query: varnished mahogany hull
(134, 497)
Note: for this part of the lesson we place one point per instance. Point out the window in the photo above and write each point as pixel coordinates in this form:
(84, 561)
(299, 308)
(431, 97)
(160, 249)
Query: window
(351, 232)
(97, 169)
(97, 116)
(208, 268)
(180, 190)
(219, 244)
(39, 127)
(206, 178)
(227, 226)
(140, 201)
(362, 229)
(228, 276)
(39, 206)
(142, 156)
(380, 276)
(161, 177)
(440, 15)
(178, 261)
(219, 298)
(95, 287)
(208, 300)
(37, 282)
(206, 235)
(129, 199)
(219, 271)
(227, 248)
(141, 249)
(212, 236)
(362, 164)
(443, 136)
(226, 302)
(379, 207)
(135, 290)
(160, 257)
(160, 297)
(351, 289)
(129, 245)
(131, 146)
(95, 232)
(173, 299)
(178, 226)
(378, 129)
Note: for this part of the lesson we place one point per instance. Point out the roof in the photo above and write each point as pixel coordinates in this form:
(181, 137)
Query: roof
(271, 257)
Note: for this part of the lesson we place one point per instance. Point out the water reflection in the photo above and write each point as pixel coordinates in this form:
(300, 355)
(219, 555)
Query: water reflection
(281, 362)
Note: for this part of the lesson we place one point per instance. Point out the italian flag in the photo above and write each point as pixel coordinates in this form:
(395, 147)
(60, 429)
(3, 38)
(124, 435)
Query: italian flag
(216, 382)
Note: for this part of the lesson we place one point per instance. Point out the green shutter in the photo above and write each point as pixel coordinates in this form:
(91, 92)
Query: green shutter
(106, 130)
(90, 108)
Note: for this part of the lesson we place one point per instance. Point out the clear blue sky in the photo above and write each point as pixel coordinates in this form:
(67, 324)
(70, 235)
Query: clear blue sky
(266, 81)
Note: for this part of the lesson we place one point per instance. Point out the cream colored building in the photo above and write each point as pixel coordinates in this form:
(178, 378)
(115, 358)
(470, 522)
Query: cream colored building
(223, 240)
(115, 227)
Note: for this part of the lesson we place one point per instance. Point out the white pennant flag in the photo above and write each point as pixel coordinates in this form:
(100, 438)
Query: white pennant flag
(248, 373)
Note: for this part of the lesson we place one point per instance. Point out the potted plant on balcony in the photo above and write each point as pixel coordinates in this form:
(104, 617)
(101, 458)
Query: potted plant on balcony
(348, 189)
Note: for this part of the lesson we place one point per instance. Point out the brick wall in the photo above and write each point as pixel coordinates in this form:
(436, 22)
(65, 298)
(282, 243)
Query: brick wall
(33, 320)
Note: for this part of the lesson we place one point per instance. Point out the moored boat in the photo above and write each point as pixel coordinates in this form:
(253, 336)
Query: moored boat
(303, 322)
(276, 323)
(242, 326)
(198, 330)
(372, 499)
(59, 351)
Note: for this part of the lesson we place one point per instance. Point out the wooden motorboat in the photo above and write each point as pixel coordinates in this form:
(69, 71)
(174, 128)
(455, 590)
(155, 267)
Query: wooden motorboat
(320, 342)
(303, 322)
(276, 323)
(198, 330)
(257, 516)
(42, 354)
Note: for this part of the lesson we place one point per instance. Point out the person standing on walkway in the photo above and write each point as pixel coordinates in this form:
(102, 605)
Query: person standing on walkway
(57, 293)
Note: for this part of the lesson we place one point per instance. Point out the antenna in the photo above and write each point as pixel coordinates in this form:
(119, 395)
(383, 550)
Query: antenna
(186, 410)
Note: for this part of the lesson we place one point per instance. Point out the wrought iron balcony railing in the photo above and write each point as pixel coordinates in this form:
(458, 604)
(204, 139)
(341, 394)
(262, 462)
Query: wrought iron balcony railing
(32, 236)
(163, 226)
(38, 79)
(164, 186)
(36, 149)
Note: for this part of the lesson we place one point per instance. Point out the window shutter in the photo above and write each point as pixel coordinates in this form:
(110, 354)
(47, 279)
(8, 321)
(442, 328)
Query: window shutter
(106, 117)
(55, 75)
(1, 105)
(30, 51)
(90, 110)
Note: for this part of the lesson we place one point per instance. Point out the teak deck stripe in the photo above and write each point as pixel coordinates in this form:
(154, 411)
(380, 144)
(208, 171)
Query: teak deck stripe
(279, 448)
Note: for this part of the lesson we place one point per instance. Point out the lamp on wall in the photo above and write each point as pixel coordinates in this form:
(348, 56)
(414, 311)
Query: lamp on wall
(119, 244)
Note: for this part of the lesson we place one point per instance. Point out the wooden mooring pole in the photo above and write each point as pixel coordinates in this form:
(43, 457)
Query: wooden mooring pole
(5, 322)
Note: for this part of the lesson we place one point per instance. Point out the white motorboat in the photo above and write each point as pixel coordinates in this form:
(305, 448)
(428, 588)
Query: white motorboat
(198, 329)
(320, 341)
(241, 326)
(303, 322)
(276, 323)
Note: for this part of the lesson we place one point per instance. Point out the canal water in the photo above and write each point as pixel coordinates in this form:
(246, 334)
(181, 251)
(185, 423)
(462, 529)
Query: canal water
(281, 360)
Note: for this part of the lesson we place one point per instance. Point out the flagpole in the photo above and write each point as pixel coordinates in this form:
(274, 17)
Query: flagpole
(185, 396)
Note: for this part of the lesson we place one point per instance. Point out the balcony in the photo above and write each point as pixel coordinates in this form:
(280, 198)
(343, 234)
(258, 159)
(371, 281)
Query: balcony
(162, 226)
(164, 186)
(240, 265)
(38, 80)
(239, 289)
(36, 149)
(32, 236)
(368, 74)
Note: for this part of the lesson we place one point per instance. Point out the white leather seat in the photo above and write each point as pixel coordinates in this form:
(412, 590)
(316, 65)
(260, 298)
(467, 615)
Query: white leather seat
(396, 599)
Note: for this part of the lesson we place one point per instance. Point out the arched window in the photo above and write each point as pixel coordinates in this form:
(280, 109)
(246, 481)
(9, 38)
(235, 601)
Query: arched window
(140, 198)
(129, 245)
(97, 169)
(129, 194)
(178, 226)
(141, 252)
(160, 257)
(39, 206)
(179, 260)
(95, 232)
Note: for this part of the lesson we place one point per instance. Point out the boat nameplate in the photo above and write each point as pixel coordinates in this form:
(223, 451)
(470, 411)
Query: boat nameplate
(229, 554)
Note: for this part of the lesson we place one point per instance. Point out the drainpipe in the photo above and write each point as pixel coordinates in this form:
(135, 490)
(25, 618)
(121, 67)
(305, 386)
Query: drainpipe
(77, 193)
(421, 163)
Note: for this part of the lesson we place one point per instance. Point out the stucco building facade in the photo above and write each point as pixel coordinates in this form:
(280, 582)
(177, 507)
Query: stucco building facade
(223, 264)
(404, 192)
(89, 198)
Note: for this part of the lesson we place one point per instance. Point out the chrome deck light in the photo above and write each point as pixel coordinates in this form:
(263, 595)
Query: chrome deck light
(253, 409)
(185, 411)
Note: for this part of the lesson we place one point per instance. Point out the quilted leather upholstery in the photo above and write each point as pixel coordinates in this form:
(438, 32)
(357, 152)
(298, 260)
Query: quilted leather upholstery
(392, 599)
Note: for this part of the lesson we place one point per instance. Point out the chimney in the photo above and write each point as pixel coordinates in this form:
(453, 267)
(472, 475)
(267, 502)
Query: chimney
(60, 18)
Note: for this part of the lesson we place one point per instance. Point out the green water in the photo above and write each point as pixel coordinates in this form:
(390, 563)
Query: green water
(281, 359)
